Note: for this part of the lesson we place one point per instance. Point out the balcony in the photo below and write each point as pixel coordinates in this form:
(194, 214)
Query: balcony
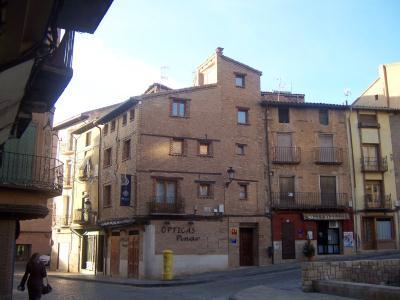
(31, 172)
(84, 217)
(309, 200)
(61, 221)
(383, 202)
(374, 164)
(328, 156)
(286, 155)
(369, 124)
(167, 206)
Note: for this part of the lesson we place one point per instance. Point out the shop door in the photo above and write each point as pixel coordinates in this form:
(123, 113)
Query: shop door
(369, 234)
(133, 254)
(328, 240)
(246, 249)
(114, 260)
(288, 241)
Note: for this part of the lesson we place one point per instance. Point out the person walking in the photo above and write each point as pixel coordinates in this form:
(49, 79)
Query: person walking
(36, 271)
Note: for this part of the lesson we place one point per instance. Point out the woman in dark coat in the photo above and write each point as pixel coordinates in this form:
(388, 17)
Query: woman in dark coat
(36, 271)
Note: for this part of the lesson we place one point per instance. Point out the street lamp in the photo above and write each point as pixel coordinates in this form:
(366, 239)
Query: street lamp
(231, 175)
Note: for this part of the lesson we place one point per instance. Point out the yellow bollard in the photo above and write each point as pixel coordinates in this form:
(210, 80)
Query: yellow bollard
(168, 256)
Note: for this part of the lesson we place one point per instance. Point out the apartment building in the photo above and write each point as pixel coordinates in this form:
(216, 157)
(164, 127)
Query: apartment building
(184, 170)
(374, 124)
(76, 236)
(308, 176)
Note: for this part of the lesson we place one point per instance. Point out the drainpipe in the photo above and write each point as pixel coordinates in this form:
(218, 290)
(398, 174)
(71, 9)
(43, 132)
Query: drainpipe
(352, 178)
(269, 183)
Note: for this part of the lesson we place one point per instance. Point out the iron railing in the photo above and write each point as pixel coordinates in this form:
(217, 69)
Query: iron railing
(309, 200)
(286, 155)
(328, 155)
(167, 205)
(31, 172)
(380, 202)
(374, 164)
(84, 216)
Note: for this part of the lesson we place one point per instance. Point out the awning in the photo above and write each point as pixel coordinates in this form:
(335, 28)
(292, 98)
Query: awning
(326, 216)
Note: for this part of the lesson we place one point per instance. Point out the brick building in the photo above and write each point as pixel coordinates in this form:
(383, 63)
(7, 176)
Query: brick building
(308, 176)
(185, 170)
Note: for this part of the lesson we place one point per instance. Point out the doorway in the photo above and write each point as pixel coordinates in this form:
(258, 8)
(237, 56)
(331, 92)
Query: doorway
(114, 260)
(133, 254)
(288, 241)
(328, 240)
(246, 246)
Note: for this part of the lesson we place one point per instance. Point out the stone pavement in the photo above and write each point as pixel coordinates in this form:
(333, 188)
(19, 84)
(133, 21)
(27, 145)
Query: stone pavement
(262, 292)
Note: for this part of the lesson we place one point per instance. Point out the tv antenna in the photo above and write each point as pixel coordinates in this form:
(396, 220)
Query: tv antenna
(347, 93)
(164, 74)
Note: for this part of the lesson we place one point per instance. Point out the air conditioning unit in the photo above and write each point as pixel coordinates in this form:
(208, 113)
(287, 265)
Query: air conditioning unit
(221, 208)
(333, 224)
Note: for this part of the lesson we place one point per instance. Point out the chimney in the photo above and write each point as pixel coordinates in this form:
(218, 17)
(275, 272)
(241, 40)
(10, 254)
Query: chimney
(219, 50)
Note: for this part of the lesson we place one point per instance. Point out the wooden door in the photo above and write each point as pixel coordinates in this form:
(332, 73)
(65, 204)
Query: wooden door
(133, 254)
(369, 234)
(328, 191)
(288, 241)
(114, 260)
(246, 247)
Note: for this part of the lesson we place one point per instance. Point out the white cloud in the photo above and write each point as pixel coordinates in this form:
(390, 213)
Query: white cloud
(102, 77)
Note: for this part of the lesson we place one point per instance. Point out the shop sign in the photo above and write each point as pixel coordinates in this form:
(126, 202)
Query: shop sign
(234, 231)
(348, 239)
(182, 233)
(326, 217)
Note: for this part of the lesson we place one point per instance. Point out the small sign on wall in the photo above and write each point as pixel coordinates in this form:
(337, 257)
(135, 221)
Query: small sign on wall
(234, 231)
(348, 239)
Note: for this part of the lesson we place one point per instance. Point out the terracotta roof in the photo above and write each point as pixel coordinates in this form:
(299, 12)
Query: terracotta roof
(381, 108)
(304, 104)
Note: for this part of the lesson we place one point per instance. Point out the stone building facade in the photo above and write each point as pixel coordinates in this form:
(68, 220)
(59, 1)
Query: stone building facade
(308, 177)
(184, 170)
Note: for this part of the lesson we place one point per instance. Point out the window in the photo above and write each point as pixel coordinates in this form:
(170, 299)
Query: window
(323, 117)
(179, 108)
(177, 147)
(105, 129)
(107, 195)
(284, 152)
(204, 148)
(327, 151)
(240, 149)
(327, 185)
(112, 125)
(205, 190)
(124, 119)
(68, 169)
(166, 191)
(243, 191)
(373, 190)
(366, 120)
(126, 150)
(283, 113)
(243, 116)
(107, 157)
(286, 190)
(370, 157)
(88, 138)
(239, 80)
(132, 114)
(384, 229)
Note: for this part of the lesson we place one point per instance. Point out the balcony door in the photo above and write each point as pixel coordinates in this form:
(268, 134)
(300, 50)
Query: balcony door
(284, 149)
(286, 191)
(328, 191)
(326, 153)
(373, 193)
(370, 156)
(166, 192)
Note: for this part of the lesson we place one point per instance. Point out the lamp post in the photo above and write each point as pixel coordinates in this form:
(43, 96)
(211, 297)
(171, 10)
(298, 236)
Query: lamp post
(231, 176)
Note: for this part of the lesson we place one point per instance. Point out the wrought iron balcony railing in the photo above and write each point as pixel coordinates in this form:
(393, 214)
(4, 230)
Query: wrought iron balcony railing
(165, 205)
(84, 217)
(381, 202)
(61, 221)
(309, 200)
(31, 172)
(328, 155)
(374, 164)
(286, 155)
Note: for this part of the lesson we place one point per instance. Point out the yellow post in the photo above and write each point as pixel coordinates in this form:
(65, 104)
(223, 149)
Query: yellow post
(167, 268)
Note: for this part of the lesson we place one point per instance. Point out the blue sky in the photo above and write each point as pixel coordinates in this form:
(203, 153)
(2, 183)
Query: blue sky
(318, 48)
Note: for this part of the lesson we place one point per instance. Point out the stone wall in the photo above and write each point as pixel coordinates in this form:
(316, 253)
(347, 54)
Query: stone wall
(363, 271)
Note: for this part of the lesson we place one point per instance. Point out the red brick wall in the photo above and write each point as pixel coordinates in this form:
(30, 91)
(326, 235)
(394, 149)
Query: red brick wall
(301, 227)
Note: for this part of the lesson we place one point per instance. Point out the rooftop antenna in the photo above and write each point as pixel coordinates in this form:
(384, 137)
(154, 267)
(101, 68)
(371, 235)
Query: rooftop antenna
(164, 74)
(347, 93)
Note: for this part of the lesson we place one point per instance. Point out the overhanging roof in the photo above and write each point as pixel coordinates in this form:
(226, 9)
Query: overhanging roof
(304, 105)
